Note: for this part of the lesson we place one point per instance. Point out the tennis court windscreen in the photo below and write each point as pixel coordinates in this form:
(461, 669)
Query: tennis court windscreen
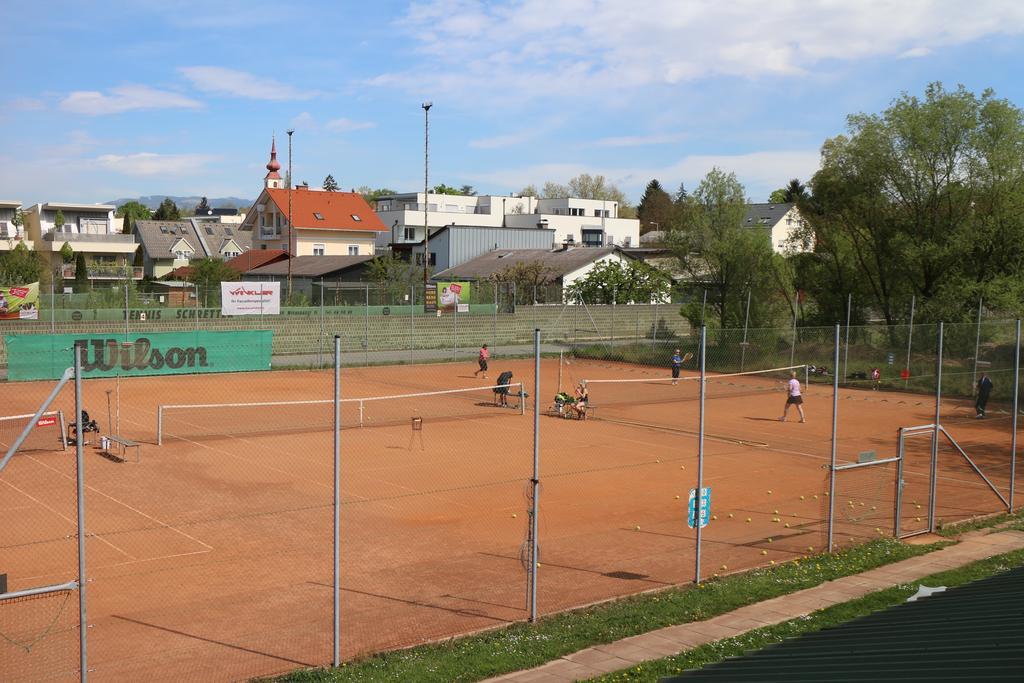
(213, 420)
(47, 435)
(668, 402)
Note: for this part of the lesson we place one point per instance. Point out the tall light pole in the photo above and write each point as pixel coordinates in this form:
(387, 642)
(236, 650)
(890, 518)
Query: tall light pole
(290, 183)
(426, 189)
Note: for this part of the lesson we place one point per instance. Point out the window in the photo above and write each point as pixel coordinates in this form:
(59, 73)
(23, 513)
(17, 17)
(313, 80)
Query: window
(576, 212)
(163, 229)
(319, 249)
(409, 233)
(592, 238)
(317, 215)
(353, 250)
(284, 247)
(209, 231)
(383, 206)
(230, 254)
(229, 232)
(356, 218)
(181, 255)
(433, 259)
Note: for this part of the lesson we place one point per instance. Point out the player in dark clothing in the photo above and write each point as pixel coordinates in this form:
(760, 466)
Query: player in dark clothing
(984, 390)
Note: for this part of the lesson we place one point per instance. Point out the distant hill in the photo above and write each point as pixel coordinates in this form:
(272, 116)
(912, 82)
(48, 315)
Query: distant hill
(186, 203)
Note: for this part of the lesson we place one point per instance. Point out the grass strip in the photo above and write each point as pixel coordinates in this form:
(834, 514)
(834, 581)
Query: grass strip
(522, 646)
(1015, 519)
(830, 616)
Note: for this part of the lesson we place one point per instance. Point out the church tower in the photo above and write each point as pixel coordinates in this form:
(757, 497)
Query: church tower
(273, 179)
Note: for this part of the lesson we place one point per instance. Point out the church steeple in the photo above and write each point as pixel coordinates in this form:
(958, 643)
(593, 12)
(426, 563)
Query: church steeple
(273, 178)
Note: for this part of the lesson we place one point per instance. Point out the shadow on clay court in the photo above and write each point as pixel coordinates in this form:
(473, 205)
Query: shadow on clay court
(214, 642)
(419, 603)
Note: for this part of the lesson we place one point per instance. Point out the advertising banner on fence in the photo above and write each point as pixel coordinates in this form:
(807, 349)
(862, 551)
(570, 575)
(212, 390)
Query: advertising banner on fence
(20, 303)
(451, 294)
(250, 298)
(45, 356)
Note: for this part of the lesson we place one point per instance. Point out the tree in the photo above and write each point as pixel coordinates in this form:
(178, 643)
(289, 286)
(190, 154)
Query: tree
(59, 220)
(467, 190)
(167, 211)
(133, 211)
(794, 192)
(529, 191)
(20, 265)
(18, 219)
(371, 195)
(393, 275)
(681, 196)
(446, 189)
(717, 252)
(330, 184)
(207, 274)
(67, 253)
(81, 274)
(529, 278)
(777, 196)
(621, 283)
(655, 208)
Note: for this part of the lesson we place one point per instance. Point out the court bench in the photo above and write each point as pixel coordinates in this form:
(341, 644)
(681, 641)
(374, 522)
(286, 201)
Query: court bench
(123, 445)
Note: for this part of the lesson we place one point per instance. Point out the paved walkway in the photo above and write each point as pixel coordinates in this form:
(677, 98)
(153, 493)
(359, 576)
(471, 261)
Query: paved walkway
(622, 654)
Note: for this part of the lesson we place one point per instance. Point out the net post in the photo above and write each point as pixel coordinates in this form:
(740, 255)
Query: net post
(1014, 404)
(63, 430)
(362, 407)
(700, 453)
(561, 353)
(160, 425)
(835, 423)
(79, 350)
(934, 475)
(535, 481)
(337, 504)
(522, 399)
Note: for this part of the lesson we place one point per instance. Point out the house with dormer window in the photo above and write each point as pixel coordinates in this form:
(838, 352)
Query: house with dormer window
(323, 223)
(167, 245)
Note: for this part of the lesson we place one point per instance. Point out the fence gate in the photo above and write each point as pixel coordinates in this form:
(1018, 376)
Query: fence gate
(866, 499)
(914, 497)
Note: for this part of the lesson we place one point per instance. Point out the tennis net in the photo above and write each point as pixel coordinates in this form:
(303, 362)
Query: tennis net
(47, 435)
(655, 400)
(212, 420)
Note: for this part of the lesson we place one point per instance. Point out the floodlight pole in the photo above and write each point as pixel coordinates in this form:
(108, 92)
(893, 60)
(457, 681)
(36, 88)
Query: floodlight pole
(291, 181)
(426, 188)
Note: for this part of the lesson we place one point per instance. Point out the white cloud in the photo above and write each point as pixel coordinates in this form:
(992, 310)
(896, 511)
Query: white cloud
(150, 163)
(641, 140)
(347, 125)
(530, 49)
(222, 81)
(125, 98)
(915, 52)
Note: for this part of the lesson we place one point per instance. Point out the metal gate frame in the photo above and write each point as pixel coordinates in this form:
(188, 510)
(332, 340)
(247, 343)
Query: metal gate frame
(897, 484)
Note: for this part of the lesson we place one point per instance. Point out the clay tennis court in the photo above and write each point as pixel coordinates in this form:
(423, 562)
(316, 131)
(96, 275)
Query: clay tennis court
(211, 558)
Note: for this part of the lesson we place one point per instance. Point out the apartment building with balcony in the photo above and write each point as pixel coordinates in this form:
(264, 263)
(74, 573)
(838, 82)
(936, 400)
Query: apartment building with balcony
(575, 221)
(10, 234)
(89, 229)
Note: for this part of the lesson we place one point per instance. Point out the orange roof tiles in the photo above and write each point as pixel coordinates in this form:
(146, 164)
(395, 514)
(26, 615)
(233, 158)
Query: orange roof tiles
(327, 210)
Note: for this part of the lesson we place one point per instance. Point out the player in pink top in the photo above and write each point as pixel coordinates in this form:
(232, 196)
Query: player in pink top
(793, 397)
(485, 355)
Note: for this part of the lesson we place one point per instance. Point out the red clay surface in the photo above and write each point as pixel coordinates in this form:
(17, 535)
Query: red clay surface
(212, 558)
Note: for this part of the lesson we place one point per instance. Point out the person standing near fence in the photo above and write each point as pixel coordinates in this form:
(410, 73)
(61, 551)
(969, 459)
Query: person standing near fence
(482, 359)
(876, 378)
(677, 365)
(794, 397)
(984, 390)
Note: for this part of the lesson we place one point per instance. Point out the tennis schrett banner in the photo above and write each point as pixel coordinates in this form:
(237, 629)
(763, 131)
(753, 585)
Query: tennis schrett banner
(45, 356)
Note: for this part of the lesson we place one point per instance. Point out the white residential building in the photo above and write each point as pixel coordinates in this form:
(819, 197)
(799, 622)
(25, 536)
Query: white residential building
(87, 228)
(11, 234)
(586, 222)
(785, 226)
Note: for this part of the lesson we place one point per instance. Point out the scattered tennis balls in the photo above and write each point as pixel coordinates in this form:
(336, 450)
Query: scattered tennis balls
(919, 519)
(874, 507)
(826, 494)
(810, 548)
(815, 496)
(918, 507)
(775, 512)
(730, 515)
(724, 567)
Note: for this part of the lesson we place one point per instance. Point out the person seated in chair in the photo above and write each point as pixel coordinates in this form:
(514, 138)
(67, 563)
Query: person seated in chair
(579, 407)
(501, 390)
(88, 425)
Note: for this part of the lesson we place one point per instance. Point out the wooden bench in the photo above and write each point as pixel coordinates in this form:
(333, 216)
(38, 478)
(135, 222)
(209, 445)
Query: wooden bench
(122, 446)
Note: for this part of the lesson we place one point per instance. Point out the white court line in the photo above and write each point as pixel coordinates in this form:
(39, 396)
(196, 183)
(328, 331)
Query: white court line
(159, 522)
(67, 519)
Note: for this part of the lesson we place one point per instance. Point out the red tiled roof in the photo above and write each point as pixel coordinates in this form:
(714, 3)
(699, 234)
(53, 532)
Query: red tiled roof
(336, 209)
(254, 258)
(179, 273)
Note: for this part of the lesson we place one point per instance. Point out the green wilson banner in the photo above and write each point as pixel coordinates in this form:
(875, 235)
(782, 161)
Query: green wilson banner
(45, 356)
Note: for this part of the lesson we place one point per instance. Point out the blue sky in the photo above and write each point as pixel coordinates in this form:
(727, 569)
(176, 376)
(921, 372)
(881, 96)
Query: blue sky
(118, 99)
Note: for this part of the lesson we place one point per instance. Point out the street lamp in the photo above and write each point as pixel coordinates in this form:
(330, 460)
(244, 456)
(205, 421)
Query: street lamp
(290, 131)
(426, 188)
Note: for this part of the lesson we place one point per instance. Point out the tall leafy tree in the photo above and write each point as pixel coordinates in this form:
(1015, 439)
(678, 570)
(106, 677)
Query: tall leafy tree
(394, 275)
(467, 190)
(622, 283)
(81, 274)
(530, 279)
(59, 219)
(133, 211)
(718, 253)
(655, 209)
(167, 211)
(794, 192)
(20, 265)
(330, 184)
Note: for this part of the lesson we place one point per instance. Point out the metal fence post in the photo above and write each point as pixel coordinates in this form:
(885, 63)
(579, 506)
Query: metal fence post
(1016, 413)
(494, 332)
(455, 333)
(933, 481)
(83, 625)
(366, 327)
(53, 309)
(792, 345)
(323, 326)
(654, 341)
(835, 422)
(743, 346)
(535, 481)
(412, 322)
(910, 338)
(197, 308)
(700, 452)
(977, 347)
(337, 500)
(846, 346)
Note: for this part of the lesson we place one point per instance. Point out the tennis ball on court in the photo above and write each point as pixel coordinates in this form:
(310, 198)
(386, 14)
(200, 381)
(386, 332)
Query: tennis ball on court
(801, 497)
(513, 515)
(918, 507)
(775, 512)
(764, 552)
(730, 515)
(538, 565)
(724, 567)
(714, 516)
(874, 507)
(769, 540)
(810, 548)
(876, 529)
(638, 527)
(769, 492)
(918, 519)
(682, 467)
(658, 460)
(815, 496)
(677, 497)
(748, 519)
(862, 504)
(787, 525)
(771, 561)
(826, 494)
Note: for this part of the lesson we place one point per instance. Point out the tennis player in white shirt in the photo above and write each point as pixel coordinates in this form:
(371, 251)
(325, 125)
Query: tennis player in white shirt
(793, 398)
